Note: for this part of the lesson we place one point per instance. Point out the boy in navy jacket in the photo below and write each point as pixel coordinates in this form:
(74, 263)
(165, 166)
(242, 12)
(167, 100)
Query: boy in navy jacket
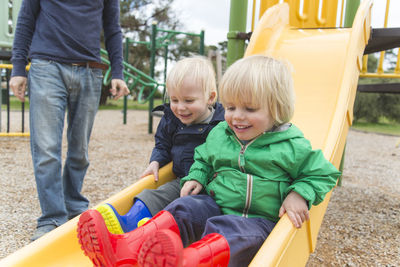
(187, 120)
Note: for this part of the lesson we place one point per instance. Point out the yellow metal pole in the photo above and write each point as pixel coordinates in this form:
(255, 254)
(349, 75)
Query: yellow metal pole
(397, 69)
(14, 134)
(380, 75)
(253, 15)
(382, 54)
(365, 64)
(387, 13)
(5, 66)
(10, 66)
(341, 14)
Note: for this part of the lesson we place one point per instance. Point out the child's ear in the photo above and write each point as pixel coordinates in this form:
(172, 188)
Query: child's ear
(211, 98)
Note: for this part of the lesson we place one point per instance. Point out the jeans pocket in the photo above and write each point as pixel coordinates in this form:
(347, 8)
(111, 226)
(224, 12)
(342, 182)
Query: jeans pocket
(96, 73)
(41, 62)
(97, 79)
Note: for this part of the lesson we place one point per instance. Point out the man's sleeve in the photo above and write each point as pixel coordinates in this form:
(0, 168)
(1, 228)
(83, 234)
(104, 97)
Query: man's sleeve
(113, 37)
(25, 28)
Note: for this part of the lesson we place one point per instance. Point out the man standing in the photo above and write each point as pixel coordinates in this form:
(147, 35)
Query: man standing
(62, 40)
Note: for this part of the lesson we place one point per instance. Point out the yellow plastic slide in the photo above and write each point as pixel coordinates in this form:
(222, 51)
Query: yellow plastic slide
(326, 65)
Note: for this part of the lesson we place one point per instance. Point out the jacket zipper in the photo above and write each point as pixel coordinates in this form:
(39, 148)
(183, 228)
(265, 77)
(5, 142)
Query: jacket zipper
(249, 190)
(249, 195)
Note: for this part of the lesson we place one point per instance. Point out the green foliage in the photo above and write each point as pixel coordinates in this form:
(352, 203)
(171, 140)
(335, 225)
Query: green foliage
(365, 107)
(372, 107)
(137, 17)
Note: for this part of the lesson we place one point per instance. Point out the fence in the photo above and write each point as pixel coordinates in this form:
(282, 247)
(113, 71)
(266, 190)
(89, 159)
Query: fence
(5, 71)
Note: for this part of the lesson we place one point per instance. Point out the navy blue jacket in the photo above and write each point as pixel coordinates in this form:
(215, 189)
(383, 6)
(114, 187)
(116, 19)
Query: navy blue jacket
(67, 32)
(176, 141)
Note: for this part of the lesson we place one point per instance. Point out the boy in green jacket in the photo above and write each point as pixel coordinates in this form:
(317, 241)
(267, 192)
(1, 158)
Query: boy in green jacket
(254, 167)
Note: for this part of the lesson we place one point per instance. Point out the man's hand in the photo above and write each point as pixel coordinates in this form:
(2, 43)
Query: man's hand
(191, 187)
(18, 86)
(296, 208)
(118, 88)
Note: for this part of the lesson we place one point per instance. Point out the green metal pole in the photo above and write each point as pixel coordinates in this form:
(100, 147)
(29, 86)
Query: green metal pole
(201, 51)
(8, 99)
(341, 166)
(350, 12)
(126, 58)
(153, 46)
(237, 24)
(165, 71)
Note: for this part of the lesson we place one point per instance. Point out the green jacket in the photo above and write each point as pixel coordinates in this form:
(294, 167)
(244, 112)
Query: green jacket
(252, 180)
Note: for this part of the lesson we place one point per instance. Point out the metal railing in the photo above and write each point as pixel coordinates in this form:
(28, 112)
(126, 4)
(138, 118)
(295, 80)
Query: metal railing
(134, 78)
(5, 70)
(380, 71)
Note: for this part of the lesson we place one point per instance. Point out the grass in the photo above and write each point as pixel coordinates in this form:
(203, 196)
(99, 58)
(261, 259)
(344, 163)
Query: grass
(391, 128)
(384, 126)
(131, 105)
(15, 104)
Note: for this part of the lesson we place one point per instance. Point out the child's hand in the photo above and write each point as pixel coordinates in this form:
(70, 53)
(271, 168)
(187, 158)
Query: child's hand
(152, 169)
(296, 208)
(191, 187)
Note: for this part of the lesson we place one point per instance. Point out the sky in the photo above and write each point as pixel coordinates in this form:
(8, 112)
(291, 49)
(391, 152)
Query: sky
(213, 16)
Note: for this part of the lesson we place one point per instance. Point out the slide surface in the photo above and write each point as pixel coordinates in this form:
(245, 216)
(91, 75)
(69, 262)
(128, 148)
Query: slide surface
(326, 65)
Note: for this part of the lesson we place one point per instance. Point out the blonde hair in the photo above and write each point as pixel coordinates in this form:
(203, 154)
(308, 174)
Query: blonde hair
(262, 82)
(197, 68)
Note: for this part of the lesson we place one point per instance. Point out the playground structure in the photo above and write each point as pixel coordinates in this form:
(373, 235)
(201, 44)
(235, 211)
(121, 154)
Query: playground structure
(8, 13)
(326, 64)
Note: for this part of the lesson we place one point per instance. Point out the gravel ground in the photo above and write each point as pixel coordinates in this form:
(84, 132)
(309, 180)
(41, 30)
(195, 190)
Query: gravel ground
(361, 226)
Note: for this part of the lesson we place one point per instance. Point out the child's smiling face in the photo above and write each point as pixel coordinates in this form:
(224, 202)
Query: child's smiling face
(246, 121)
(190, 104)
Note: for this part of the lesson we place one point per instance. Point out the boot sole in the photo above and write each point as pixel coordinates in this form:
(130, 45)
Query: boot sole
(110, 219)
(94, 240)
(163, 249)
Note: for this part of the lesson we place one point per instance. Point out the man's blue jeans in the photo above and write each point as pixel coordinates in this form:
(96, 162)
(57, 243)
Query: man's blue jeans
(55, 88)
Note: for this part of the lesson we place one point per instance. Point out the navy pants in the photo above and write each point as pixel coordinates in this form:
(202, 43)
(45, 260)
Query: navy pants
(199, 215)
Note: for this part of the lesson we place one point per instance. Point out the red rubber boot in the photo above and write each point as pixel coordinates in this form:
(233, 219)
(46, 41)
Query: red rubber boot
(106, 249)
(165, 249)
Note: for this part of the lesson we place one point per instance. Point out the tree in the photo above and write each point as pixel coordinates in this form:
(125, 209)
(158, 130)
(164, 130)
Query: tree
(136, 17)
